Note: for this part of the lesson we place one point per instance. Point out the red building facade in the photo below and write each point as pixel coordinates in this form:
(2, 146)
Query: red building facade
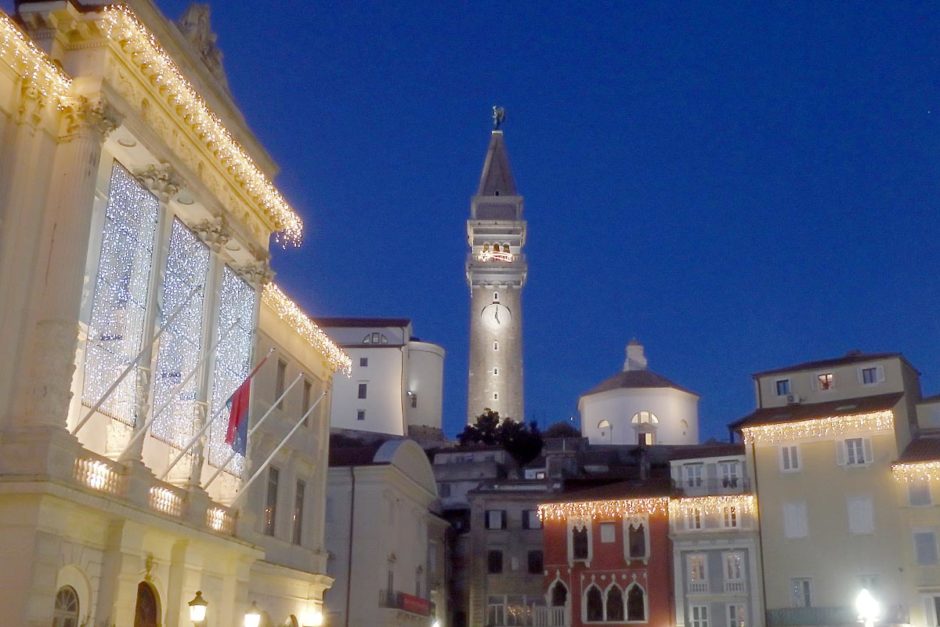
(608, 557)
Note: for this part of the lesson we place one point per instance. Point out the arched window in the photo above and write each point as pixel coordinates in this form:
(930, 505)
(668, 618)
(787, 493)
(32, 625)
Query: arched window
(614, 604)
(637, 540)
(645, 418)
(636, 603)
(594, 604)
(505, 248)
(147, 612)
(559, 594)
(66, 608)
(603, 424)
(579, 543)
(375, 338)
(486, 247)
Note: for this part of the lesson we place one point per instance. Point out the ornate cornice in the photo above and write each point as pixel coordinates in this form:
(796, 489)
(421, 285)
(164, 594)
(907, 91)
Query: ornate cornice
(257, 273)
(215, 232)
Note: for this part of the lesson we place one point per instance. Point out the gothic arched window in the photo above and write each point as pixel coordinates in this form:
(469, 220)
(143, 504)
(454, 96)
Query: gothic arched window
(637, 540)
(614, 604)
(636, 603)
(559, 594)
(594, 604)
(66, 608)
(645, 418)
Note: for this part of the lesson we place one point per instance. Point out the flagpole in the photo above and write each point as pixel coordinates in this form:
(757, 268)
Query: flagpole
(244, 488)
(254, 428)
(140, 432)
(209, 422)
(130, 366)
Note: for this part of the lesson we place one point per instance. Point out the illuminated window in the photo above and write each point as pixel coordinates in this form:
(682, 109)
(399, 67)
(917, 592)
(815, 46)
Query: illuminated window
(693, 518)
(644, 418)
(729, 516)
(734, 567)
(824, 381)
(66, 610)
(698, 573)
(645, 438)
(783, 387)
(234, 334)
(175, 385)
(119, 305)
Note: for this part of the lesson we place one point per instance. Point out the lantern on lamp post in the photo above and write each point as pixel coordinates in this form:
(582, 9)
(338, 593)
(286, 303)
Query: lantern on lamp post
(253, 616)
(868, 608)
(197, 609)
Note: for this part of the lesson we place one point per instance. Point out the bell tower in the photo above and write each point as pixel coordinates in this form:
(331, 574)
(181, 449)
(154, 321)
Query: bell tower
(496, 273)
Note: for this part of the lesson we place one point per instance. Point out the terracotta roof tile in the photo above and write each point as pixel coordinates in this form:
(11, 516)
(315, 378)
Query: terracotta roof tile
(808, 411)
(922, 449)
(635, 379)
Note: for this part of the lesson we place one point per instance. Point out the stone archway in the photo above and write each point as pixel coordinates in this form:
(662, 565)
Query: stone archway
(147, 611)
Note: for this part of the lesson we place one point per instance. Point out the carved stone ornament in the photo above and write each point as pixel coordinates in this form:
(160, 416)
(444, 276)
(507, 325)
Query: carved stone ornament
(215, 232)
(97, 117)
(32, 102)
(196, 29)
(257, 273)
(162, 180)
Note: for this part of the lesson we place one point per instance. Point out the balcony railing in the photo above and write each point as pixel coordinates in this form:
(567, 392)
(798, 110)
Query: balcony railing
(406, 602)
(737, 485)
(549, 617)
(100, 473)
(734, 586)
(698, 586)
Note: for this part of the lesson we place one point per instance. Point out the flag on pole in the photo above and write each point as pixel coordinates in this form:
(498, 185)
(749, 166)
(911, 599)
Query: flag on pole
(237, 433)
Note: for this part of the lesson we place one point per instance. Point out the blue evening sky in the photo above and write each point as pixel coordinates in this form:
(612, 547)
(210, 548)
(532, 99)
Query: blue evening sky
(739, 185)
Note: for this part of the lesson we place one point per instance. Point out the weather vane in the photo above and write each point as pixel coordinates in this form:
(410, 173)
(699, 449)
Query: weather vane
(499, 116)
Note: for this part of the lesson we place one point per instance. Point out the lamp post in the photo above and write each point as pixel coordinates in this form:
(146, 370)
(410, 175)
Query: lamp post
(868, 608)
(253, 616)
(197, 609)
(312, 618)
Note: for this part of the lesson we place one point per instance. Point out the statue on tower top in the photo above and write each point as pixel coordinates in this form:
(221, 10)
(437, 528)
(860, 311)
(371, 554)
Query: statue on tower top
(499, 116)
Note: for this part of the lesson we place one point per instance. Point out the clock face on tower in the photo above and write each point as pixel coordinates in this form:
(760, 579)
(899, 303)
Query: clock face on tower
(496, 316)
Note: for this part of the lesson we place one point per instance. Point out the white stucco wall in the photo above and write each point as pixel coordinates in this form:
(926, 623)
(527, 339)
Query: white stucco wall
(676, 410)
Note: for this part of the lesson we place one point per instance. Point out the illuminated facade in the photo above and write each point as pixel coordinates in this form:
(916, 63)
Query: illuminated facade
(638, 406)
(496, 273)
(608, 557)
(820, 448)
(134, 273)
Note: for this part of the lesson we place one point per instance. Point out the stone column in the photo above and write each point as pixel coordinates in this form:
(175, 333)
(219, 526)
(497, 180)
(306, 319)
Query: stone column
(37, 441)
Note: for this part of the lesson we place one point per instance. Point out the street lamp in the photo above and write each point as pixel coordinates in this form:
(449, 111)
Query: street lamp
(312, 618)
(868, 608)
(197, 609)
(253, 616)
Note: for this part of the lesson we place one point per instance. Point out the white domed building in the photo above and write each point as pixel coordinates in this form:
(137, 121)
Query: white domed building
(638, 406)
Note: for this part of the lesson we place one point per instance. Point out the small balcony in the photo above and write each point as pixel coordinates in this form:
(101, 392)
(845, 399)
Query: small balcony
(734, 587)
(703, 487)
(405, 602)
(698, 587)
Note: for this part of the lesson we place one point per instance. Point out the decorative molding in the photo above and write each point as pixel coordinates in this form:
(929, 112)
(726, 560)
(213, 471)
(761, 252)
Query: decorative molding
(96, 117)
(162, 180)
(257, 273)
(215, 232)
(194, 24)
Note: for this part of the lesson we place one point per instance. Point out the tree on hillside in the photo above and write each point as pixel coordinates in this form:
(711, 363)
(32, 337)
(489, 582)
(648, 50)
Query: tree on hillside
(522, 441)
(561, 429)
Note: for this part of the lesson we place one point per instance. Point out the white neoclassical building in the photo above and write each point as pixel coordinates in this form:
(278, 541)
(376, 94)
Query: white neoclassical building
(397, 382)
(639, 406)
(136, 209)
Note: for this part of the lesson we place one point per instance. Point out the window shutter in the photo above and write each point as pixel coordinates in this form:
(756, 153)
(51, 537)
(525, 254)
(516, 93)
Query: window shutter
(840, 452)
(869, 456)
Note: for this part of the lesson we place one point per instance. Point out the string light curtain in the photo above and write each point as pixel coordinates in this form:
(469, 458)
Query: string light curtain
(237, 305)
(187, 267)
(119, 306)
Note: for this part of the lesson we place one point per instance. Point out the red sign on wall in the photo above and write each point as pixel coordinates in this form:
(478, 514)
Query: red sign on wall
(413, 604)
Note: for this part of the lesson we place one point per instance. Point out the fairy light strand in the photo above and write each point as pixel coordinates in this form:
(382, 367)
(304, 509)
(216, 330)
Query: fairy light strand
(122, 26)
(603, 509)
(823, 427)
(915, 472)
(31, 63)
(288, 311)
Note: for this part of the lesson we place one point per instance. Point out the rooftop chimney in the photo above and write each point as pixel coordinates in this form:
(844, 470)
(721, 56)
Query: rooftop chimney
(636, 360)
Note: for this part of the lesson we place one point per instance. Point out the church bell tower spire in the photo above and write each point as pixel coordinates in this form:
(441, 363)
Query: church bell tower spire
(496, 272)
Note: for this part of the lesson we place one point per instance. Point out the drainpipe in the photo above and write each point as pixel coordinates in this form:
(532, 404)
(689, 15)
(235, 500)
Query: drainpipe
(352, 535)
